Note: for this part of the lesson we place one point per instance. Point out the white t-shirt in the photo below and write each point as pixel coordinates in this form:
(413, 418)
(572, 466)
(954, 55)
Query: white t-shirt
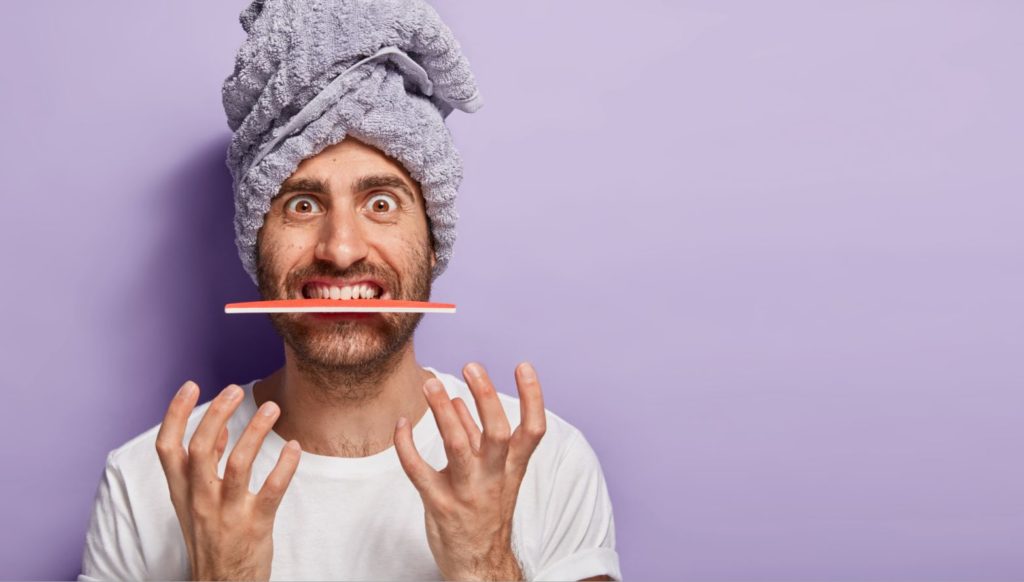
(358, 518)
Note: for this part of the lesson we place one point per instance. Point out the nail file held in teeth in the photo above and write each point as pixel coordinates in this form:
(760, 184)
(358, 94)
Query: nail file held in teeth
(339, 306)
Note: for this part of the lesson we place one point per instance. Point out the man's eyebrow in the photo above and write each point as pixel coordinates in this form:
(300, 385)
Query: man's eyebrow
(359, 185)
(305, 185)
(382, 181)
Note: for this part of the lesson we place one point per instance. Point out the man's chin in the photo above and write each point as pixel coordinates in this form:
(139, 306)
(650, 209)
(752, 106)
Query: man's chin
(335, 350)
(339, 342)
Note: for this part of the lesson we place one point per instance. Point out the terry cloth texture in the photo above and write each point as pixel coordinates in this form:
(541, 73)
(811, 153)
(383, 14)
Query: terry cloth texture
(309, 73)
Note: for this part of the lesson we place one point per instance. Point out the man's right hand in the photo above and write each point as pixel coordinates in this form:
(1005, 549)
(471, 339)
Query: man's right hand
(228, 530)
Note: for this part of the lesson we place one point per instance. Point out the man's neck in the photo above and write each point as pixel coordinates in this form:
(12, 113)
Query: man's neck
(341, 416)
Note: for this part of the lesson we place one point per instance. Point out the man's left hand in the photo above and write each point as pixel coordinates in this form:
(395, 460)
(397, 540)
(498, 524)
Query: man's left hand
(469, 504)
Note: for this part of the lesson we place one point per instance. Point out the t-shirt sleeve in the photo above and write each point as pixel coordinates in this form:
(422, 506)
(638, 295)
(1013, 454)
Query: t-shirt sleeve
(113, 550)
(579, 530)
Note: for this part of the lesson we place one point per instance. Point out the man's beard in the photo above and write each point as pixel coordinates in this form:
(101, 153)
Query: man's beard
(348, 359)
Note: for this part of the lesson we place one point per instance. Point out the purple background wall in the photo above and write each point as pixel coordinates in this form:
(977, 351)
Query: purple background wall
(767, 256)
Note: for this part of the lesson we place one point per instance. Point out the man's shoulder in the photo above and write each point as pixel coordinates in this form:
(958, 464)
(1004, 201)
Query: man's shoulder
(139, 452)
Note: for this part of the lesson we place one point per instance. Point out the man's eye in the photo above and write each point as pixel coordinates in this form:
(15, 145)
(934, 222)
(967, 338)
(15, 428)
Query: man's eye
(305, 205)
(383, 203)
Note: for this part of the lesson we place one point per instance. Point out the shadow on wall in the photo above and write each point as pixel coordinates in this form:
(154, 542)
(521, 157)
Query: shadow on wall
(194, 271)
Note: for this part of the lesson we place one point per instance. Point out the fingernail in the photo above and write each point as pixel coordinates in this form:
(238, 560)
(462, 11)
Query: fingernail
(401, 422)
(475, 370)
(232, 392)
(528, 372)
(294, 445)
(432, 387)
(267, 409)
(187, 389)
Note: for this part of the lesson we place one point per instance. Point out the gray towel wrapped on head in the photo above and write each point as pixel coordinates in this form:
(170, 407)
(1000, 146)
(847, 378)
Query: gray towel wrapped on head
(310, 72)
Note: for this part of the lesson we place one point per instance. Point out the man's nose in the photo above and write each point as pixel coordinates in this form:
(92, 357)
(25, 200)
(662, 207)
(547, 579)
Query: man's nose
(342, 240)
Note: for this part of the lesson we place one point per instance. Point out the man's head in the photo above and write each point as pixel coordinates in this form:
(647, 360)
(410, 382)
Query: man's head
(347, 214)
(389, 73)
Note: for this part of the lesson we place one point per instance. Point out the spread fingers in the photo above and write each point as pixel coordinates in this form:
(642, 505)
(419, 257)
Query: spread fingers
(238, 470)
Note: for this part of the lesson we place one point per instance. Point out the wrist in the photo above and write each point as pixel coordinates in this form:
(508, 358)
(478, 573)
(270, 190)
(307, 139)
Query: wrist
(502, 567)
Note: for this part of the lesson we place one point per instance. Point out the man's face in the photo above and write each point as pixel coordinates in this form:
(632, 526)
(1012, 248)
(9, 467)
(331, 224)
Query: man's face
(348, 214)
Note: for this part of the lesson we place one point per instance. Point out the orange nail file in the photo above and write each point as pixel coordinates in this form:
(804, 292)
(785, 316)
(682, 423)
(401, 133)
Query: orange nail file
(339, 306)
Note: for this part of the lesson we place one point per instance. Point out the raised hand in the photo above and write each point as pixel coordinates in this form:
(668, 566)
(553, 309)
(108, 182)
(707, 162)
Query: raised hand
(469, 504)
(227, 529)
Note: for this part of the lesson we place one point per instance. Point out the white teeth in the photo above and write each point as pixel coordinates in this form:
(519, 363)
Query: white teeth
(347, 292)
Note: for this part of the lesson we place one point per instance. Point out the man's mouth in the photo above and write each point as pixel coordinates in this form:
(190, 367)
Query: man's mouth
(344, 292)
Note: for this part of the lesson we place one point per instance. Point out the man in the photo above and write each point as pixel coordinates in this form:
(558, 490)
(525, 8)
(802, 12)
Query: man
(352, 461)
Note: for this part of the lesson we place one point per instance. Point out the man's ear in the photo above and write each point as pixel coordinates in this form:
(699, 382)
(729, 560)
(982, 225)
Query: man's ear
(433, 244)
